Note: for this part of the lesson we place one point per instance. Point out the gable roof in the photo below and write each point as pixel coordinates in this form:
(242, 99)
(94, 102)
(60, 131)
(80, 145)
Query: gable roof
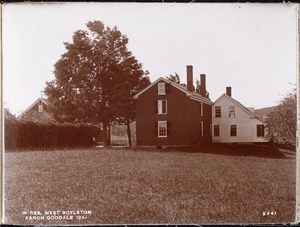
(33, 104)
(191, 95)
(239, 105)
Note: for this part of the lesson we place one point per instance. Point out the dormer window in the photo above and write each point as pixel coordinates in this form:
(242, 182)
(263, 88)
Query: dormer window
(40, 106)
(161, 88)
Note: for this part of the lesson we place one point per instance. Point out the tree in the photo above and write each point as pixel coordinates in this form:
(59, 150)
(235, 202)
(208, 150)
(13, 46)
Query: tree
(174, 78)
(95, 77)
(282, 120)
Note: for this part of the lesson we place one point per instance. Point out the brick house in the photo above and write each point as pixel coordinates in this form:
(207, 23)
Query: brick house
(168, 113)
(37, 112)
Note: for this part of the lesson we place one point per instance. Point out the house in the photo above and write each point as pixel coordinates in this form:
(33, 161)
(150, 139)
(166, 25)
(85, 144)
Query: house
(232, 122)
(37, 112)
(168, 113)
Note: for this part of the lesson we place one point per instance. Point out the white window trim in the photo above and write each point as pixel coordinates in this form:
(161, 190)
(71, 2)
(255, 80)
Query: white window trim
(40, 108)
(160, 106)
(161, 88)
(166, 125)
(201, 104)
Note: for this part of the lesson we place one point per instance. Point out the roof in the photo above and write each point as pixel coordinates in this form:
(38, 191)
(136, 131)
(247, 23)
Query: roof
(45, 101)
(191, 95)
(240, 105)
(264, 111)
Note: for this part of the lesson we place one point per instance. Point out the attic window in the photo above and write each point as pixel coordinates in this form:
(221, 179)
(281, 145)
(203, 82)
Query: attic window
(231, 111)
(161, 89)
(40, 107)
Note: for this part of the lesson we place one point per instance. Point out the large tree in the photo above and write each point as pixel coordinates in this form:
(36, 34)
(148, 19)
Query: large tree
(95, 77)
(282, 121)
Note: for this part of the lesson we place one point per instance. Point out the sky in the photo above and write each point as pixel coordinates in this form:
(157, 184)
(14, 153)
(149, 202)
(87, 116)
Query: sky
(250, 47)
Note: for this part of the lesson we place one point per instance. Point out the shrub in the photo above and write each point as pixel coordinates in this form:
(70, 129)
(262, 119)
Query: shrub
(28, 135)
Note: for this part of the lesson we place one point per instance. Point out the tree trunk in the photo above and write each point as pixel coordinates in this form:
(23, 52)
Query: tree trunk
(105, 137)
(128, 132)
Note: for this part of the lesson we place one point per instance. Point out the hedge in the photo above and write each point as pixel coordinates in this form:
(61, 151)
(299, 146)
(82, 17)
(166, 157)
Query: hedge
(32, 135)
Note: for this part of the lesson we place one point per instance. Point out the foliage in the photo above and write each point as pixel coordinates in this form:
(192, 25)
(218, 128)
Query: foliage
(29, 135)
(174, 78)
(96, 78)
(282, 120)
(10, 129)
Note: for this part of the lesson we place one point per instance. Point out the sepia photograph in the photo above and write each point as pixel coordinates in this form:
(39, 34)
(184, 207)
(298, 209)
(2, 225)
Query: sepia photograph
(157, 113)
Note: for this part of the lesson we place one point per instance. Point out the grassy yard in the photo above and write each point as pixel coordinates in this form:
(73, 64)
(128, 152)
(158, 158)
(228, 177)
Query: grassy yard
(150, 186)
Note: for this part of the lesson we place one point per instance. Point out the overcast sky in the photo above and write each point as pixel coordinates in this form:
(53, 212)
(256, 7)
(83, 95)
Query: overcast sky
(250, 47)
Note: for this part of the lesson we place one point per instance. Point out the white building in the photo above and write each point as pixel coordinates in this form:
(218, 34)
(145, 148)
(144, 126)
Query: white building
(232, 122)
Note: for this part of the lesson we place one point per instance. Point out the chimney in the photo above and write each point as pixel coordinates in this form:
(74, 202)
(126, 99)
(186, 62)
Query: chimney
(228, 91)
(189, 77)
(203, 85)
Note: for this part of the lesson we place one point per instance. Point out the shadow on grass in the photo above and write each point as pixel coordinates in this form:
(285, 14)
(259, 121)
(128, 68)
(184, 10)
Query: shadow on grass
(253, 150)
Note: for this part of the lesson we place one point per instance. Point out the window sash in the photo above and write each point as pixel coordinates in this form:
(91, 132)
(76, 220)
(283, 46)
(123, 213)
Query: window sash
(260, 130)
(201, 125)
(233, 130)
(162, 129)
(216, 130)
(40, 108)
(161, 89)
(162, 106)
(201, 109)
(218, 111)
(231, 111)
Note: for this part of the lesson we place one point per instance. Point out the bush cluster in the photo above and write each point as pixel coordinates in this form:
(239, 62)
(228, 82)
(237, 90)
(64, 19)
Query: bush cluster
(33, 135)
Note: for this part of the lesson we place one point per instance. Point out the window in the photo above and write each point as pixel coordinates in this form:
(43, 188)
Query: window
(231, 111)
(233, 130)
(40, 107)
(201, 127)
(162, 129)
(201, 109)
(162, 106)
(218, 111)
(161, 89)
(260, 130)
(216, 130)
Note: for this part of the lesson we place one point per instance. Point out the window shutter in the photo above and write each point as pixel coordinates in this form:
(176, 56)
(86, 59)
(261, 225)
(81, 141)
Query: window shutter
(155, 107)
(156, 128)
(167, 87)
(164, 106)
(168, 128)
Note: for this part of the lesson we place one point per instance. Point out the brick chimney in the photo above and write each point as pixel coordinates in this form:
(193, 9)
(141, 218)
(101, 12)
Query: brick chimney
(203, 85)
(228, 91)
(189, 77)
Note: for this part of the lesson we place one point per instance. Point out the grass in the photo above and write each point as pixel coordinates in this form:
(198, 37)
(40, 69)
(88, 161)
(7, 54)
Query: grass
(172, 186)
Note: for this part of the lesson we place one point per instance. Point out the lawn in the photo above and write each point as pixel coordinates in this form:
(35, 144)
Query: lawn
(149, 186)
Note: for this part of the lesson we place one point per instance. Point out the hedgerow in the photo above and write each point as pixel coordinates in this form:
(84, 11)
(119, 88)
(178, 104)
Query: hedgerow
(33, 135)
